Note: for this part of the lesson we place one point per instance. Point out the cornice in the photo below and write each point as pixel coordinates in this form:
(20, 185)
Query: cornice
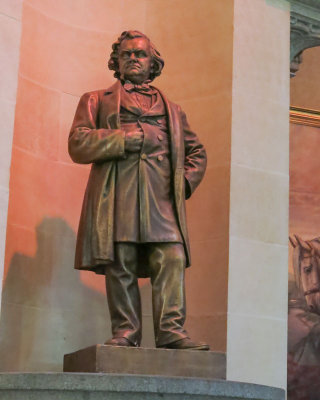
(304, 116)
(307, 8)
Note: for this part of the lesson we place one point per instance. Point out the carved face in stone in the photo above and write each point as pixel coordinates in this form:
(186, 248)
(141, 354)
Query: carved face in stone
(135, 60)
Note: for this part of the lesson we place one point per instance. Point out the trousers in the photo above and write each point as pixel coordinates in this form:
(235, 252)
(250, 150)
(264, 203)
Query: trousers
(166, 263)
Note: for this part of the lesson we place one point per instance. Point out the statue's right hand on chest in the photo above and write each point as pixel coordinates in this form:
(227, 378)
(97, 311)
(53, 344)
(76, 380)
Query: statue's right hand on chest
(133, 141)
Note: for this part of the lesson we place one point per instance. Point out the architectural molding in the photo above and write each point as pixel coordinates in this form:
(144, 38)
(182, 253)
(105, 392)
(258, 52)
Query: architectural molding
(304, 29)
(305, 116)
(295, 64)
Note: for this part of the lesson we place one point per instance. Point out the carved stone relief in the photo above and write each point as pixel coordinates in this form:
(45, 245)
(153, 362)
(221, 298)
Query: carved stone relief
(304, 30)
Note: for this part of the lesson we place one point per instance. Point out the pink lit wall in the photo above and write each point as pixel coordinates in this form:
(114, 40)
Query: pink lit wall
(48, 309)
(305, 86)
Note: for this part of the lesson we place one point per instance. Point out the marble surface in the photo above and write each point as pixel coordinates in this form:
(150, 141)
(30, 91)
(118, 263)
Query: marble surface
(257, 287)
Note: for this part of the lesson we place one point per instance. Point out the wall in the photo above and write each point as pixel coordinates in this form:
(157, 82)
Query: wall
(10, 21)
(49, 309)
(304, 140)
(305, 86)
(304, 181)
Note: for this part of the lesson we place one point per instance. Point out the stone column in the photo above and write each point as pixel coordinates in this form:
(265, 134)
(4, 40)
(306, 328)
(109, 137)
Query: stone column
(258, 229)
(10, 23)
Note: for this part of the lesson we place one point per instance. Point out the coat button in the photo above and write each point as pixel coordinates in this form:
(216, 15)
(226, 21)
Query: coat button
(160, 157)
(143, 156)
(160, 137)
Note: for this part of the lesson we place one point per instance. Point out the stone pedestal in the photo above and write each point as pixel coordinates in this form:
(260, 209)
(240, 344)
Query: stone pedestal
(45, 386)
(141, 361)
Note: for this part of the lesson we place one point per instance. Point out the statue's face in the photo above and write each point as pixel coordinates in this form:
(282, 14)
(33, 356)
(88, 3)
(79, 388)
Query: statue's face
(135, 60)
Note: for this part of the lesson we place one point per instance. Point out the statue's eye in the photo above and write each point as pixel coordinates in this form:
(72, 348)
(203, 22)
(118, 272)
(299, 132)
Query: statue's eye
(307, 269)
(125, 54)
(141, 54)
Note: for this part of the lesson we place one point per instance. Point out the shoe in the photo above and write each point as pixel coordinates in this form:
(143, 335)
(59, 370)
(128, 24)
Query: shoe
(119, 341)
(185, 344)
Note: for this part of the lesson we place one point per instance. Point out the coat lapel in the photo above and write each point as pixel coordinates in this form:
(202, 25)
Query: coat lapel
(127, 102)
(111, 105)
(111, 100)
(174, 131)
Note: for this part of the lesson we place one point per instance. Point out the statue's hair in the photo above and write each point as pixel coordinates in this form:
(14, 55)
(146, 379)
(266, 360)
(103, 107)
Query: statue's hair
(157, 60)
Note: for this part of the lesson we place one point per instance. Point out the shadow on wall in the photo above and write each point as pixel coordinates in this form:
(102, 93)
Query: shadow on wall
(46, 310)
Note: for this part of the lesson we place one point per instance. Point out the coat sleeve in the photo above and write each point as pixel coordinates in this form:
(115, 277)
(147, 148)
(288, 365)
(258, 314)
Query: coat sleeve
(87, 144)
(195, 158)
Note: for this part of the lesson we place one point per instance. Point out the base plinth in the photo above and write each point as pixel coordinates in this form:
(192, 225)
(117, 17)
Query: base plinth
(67, 386)
(142, 361)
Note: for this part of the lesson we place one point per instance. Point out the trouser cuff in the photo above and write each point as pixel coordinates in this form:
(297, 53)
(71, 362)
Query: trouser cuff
(130, 336)
(171, 337)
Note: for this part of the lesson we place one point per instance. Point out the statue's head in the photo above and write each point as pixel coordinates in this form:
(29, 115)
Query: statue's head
(135, 58)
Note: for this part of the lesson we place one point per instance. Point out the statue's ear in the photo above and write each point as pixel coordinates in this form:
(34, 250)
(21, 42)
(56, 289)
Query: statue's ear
(302, 243)
(293, 241)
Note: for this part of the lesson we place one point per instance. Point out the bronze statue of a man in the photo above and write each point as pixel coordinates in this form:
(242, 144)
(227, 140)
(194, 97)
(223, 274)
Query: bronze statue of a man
(145, 162)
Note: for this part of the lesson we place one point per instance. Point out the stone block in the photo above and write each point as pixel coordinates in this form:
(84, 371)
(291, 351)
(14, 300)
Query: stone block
(143, 361)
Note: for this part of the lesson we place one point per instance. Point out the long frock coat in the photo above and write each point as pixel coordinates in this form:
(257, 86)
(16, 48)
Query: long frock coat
(96, 137)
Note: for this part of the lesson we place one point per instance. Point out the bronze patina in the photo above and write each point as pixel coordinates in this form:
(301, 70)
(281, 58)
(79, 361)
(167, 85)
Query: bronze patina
(145, 162)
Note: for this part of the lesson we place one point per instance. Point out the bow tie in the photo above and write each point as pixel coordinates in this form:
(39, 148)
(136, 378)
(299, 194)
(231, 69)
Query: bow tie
(143, 88)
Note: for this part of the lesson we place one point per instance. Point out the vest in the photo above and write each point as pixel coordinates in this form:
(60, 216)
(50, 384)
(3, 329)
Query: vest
(144, 210)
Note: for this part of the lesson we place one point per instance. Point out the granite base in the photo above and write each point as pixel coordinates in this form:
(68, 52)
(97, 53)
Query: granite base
(77, 386)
